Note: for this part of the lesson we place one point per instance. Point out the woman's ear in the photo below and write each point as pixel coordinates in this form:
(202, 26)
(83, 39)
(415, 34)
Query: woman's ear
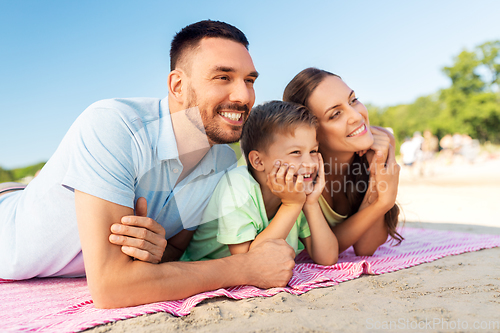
(175, 81)
(255, 160)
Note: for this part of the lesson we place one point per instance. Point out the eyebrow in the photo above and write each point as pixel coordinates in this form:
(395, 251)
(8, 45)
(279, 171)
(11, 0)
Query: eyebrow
(226, 69)
(335, 106)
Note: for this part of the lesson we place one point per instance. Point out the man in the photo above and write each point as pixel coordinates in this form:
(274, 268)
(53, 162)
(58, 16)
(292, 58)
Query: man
(162, 150)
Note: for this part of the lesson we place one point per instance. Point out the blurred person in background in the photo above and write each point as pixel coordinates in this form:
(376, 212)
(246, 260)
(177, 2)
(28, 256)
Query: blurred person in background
(430, 147)
(411, 151)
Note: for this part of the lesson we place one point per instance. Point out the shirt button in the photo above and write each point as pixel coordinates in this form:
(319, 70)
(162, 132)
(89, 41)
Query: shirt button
(175, 170)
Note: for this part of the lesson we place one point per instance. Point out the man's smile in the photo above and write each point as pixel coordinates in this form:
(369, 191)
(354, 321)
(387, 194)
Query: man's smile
(232, 117)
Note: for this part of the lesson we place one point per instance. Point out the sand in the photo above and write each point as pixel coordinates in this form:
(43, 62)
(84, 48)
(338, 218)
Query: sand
(454, 294)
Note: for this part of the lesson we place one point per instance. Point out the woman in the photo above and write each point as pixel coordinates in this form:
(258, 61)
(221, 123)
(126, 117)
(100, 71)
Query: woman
(360, 168)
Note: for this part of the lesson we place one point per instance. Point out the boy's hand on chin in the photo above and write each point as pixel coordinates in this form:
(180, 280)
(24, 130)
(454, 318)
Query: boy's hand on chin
(319, 184)
(281, 183)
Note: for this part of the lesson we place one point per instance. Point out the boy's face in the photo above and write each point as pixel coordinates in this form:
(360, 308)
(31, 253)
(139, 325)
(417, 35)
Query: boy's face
(300, 150)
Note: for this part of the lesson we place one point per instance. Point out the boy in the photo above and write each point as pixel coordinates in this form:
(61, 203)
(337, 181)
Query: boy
(275, 196)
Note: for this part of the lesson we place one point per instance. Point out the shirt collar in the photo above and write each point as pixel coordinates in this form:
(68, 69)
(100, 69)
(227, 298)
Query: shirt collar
(167, 144)
(208, 163)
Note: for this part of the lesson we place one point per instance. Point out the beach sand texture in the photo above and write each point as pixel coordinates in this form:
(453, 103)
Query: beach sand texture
(454, 294)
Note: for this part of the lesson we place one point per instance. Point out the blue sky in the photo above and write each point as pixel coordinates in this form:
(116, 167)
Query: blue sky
(58, 57)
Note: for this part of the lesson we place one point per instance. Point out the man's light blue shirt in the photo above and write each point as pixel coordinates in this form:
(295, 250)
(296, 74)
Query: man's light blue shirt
(117, 150)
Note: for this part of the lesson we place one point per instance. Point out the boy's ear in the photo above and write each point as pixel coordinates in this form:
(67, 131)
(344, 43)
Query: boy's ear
(255, 159)
(175, 81)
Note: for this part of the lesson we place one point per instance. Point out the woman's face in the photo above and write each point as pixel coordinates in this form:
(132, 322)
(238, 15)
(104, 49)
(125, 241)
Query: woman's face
(343, 120)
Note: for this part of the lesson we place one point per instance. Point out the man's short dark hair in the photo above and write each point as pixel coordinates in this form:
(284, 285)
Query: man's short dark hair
(268, 119)
(191, 35)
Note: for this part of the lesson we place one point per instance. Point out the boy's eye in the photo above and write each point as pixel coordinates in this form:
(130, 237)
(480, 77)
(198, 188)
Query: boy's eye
(314, 151)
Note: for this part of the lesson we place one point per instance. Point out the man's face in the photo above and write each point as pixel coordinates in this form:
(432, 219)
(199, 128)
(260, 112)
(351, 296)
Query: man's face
(220, 84)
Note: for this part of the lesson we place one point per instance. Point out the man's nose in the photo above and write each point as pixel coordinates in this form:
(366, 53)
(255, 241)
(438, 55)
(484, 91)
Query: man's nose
(241, 93)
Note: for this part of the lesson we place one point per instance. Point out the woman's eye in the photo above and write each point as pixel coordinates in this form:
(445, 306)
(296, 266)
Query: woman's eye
(295, 152)
(354, 101)
(335, 114)
(314, 151)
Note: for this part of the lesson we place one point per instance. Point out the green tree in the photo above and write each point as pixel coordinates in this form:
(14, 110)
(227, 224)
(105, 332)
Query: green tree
(405, 119)
(19, 173)
(489, 55)
(5, 175)
(471, 105)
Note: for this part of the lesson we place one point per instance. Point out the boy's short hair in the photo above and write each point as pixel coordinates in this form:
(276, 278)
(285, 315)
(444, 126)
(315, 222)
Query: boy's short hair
(190, 36)
(268, 119)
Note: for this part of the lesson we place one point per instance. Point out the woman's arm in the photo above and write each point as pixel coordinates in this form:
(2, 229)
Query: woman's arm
(366, 230)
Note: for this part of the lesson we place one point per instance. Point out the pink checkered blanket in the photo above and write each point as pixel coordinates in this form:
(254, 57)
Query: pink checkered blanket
(65, 305)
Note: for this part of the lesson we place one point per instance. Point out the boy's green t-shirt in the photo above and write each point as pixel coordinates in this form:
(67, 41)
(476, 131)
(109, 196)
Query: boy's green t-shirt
(236, 214)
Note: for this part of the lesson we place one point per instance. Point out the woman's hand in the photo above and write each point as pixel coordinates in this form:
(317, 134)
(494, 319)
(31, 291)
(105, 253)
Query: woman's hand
(140, 236)
(313, 197)
(386, 176)
(280, 182)
(381, 141)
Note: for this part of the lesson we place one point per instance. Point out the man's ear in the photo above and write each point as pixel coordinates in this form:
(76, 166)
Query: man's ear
(175, 81)
(255, 160)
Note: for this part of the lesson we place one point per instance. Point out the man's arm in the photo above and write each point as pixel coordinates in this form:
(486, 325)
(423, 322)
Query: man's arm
(116, 280)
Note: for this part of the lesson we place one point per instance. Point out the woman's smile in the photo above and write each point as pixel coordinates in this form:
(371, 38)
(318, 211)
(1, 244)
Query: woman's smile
(361, 130)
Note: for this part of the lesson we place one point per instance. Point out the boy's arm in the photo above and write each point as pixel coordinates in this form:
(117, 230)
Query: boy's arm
(116, 280)
(280, 182)
(278, 228)
(322, 245)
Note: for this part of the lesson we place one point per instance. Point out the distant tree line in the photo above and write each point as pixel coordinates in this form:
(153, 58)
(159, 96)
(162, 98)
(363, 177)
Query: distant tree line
(471, 105)
(19, 173)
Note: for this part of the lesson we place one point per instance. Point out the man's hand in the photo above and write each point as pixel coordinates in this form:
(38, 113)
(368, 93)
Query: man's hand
(270, 264)
(140, 236)
(281, 183)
